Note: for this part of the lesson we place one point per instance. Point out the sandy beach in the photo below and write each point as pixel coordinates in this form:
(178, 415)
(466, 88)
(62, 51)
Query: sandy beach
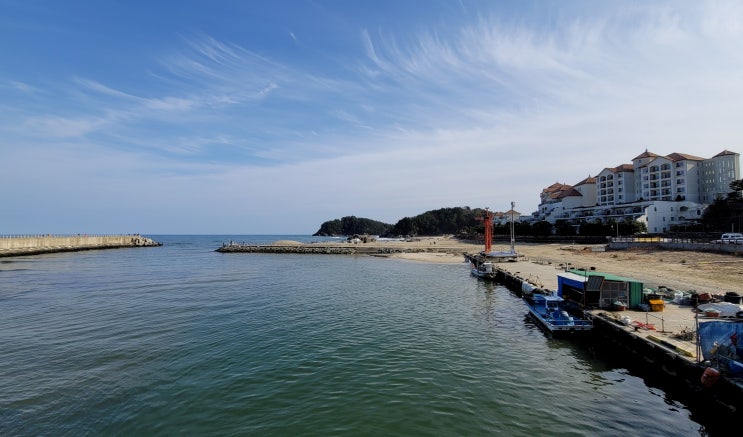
(678, 270)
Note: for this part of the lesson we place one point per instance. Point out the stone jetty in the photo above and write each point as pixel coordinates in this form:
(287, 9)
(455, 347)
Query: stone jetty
(38, 244)
(333, 249)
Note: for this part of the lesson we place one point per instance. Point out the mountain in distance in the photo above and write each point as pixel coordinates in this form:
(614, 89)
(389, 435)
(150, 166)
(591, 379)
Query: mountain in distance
(352, 225)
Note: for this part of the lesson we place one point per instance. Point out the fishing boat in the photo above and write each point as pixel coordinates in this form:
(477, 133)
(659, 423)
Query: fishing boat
(484, 270)
(549, 310)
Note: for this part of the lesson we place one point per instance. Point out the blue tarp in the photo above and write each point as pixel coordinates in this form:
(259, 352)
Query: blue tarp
(720, 336)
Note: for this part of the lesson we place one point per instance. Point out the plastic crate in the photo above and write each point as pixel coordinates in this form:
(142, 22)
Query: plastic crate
(656, 304)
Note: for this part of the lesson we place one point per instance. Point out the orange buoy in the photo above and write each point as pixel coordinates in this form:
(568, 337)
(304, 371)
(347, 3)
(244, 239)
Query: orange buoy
(710, 376)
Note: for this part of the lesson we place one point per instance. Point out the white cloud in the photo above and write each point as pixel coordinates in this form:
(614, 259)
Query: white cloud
(24, 87)
(478, 115)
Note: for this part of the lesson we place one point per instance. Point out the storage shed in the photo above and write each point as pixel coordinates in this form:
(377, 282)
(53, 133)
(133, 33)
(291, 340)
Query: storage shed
(599, 290)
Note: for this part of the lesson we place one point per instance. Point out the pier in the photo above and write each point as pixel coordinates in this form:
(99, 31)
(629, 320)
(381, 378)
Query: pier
(39, 244)
(659, 344)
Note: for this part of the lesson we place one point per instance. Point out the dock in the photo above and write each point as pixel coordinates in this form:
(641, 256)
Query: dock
(672, 320)
(663, 343)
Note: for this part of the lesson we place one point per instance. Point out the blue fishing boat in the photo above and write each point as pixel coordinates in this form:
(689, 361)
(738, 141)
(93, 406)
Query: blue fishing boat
(549, 310)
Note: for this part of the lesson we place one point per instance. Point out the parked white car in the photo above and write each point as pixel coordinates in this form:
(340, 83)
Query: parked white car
(730, 238)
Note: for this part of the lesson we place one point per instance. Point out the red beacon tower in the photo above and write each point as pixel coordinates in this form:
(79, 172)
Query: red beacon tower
(487, 221)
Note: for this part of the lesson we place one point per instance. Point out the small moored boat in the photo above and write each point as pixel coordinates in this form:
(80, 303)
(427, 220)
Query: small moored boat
(484, 270)
(549, 311)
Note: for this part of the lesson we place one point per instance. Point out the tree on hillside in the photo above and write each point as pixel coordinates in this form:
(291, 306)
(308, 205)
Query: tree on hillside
(723, 215)
(564, 228)
(595, 229)
(541, 229)
(437, 222)
(736, 187)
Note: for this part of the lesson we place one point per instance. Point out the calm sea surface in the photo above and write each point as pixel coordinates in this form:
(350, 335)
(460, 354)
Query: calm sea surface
(182, 340)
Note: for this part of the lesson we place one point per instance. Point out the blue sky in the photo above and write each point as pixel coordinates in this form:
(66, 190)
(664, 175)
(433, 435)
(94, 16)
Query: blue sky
(274, 116)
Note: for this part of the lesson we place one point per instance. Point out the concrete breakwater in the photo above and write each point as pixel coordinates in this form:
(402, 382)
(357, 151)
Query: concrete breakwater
(33, 245)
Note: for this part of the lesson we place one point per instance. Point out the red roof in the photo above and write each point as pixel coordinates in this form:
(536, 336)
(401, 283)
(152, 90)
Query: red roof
(725, 153)
(646, 154)
(568, 193)
(683, 157)
(588, 180)
(556, 187)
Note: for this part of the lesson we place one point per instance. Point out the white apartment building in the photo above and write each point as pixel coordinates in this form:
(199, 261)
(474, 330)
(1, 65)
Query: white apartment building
(660, 191)
(616, 185)
(716, 175)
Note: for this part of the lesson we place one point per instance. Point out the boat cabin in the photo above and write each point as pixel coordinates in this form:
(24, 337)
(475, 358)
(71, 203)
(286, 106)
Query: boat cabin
(546, 304)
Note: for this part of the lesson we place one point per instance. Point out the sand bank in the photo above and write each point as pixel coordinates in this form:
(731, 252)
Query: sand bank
(679, 270)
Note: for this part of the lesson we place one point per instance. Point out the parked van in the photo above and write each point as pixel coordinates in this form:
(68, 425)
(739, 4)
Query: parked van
(730, 238)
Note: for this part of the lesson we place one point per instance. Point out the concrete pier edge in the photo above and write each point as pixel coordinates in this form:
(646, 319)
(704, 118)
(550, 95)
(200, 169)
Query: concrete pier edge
(663, 362)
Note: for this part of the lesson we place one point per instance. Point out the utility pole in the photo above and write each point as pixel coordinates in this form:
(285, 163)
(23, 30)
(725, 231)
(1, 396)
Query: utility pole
(513, 238)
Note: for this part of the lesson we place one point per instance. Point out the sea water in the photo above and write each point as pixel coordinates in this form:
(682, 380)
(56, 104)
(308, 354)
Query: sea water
(183, 340)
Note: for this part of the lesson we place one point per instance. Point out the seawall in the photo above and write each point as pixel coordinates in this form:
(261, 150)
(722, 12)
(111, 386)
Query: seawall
(34, 245)
(672, 244)
(656, 360)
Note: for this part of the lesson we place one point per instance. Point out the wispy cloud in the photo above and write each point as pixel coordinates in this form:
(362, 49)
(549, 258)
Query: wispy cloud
(477, 110)
(22, 86)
